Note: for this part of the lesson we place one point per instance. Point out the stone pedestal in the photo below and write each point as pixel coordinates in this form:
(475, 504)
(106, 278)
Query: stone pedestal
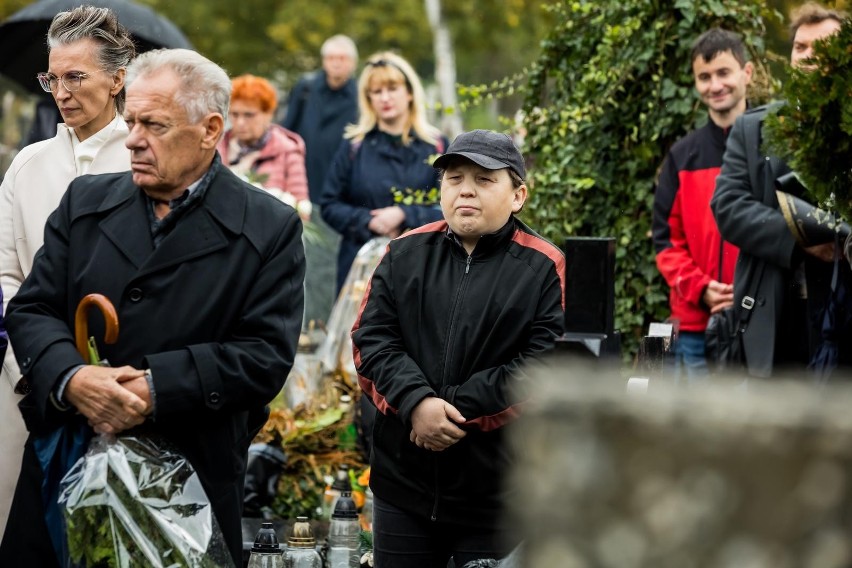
(722, 476)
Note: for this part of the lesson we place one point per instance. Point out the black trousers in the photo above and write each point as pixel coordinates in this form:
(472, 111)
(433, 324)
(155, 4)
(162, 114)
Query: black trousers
(403, 540)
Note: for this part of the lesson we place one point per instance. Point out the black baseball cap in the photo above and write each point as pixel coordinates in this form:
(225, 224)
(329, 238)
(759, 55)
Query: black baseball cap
(489, 149)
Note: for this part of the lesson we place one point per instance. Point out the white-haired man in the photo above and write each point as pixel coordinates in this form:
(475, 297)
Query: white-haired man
(206, 274)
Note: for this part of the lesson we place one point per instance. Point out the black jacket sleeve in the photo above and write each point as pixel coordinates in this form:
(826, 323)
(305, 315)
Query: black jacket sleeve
(744, 203)
(490, 398)
(386, 373)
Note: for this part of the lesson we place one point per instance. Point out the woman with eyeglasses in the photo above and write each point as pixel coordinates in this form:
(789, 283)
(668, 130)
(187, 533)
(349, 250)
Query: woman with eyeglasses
(89, 52)
(382, 182)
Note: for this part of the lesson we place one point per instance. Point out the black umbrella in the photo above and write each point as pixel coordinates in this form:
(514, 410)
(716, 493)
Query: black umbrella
(23, 35)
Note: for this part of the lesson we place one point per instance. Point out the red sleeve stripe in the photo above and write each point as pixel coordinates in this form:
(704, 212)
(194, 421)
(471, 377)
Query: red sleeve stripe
(368, 386)
(488, 423)
(537, 243)
(357, 324)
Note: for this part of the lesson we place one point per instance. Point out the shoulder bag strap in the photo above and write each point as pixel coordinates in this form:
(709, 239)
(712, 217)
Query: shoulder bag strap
(747, 304)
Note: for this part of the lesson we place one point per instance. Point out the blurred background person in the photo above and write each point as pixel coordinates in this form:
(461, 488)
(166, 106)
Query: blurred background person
(259, 150)
(382, 181)
(697, 264)
(318, 109)
(89, 54)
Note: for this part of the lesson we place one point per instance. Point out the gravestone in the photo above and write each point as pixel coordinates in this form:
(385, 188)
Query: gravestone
(722, 476)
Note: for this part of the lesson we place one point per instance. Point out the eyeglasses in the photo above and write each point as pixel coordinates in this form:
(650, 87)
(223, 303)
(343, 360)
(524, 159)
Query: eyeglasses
(72, 81)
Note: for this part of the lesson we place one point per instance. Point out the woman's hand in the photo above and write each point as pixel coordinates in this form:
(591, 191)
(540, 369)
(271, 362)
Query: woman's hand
(387, 221)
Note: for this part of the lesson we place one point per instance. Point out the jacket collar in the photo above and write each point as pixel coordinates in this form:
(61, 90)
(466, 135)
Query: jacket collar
(199, 232)
(487, 243)
(718, 135)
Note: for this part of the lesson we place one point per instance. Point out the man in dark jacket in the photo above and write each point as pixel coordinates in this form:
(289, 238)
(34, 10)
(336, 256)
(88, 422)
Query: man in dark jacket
(691, 255)
(206, 275)
(321, 105)
(452, 314)
(781, 285)
(318, 109)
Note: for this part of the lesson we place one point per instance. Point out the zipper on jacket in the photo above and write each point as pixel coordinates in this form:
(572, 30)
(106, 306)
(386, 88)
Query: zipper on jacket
(448, 342)
(452, 329)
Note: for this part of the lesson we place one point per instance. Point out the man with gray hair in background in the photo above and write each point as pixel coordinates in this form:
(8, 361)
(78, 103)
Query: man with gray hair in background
(319, 107)
(206, 275)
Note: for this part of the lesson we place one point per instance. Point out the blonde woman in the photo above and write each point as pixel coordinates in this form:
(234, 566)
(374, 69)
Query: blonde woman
(381, 182)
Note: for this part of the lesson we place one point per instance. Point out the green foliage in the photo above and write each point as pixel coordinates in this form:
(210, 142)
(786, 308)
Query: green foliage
(610, 92)
(280, 40)
(117, 499)
(813, 130)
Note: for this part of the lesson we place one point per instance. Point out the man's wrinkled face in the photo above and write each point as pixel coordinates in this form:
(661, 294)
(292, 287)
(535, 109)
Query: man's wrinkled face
(165, 147)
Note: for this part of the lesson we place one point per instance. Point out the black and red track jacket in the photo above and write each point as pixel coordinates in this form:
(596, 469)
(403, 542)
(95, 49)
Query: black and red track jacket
(690, 250)
(437, 322)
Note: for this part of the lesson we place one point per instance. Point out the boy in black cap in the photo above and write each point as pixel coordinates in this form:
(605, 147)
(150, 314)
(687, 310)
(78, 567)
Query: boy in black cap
(452, 314)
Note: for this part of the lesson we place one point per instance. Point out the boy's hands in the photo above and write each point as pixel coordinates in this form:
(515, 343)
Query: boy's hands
(434, 424)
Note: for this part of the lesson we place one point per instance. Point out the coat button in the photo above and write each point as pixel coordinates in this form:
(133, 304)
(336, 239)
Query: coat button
(135, 295)
(214, 397)
(26, 362)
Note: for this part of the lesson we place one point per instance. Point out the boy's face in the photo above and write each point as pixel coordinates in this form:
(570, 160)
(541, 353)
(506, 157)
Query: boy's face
(476, 201)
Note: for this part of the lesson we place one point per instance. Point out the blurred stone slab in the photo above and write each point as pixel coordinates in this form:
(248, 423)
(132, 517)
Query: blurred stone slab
(721, 476)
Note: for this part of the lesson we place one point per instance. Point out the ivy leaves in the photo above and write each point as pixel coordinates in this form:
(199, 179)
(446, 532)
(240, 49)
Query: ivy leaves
(813, 130)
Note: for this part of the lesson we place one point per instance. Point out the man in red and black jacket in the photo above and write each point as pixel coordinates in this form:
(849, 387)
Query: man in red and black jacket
(697, 265)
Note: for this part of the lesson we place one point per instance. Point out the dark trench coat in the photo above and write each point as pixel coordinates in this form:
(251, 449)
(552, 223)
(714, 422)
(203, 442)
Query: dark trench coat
(214, 312)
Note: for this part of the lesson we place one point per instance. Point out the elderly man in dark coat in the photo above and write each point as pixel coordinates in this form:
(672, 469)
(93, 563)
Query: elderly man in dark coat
(206, 274)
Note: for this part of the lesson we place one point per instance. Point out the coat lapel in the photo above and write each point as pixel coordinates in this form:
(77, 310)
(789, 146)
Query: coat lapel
(203, 229)
(127, 225)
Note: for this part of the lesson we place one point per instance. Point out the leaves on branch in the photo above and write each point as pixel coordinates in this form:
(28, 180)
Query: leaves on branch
(812, 130)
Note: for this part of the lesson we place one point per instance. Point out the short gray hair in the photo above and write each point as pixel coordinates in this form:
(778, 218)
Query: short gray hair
(116, 48)
(342, 43)
(204, 86)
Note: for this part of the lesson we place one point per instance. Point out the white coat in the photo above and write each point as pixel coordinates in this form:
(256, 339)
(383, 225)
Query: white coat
(31, 190)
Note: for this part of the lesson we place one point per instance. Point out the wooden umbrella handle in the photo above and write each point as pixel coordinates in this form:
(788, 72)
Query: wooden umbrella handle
(81, 322)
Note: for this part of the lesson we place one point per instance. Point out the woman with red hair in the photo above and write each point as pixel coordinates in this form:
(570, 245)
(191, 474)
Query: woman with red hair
(263, 152)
